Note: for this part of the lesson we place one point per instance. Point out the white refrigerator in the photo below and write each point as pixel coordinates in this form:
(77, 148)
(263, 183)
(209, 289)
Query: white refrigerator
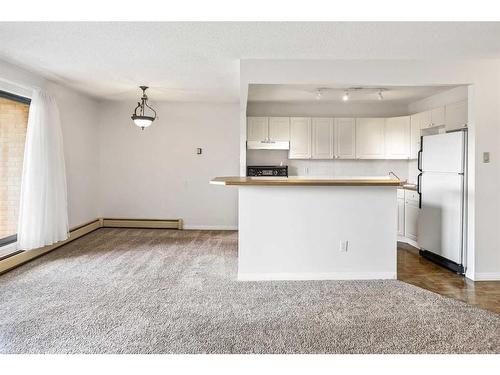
(442, 185)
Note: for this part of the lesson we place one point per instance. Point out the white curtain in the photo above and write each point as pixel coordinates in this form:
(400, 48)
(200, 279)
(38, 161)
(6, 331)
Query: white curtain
(43, 211)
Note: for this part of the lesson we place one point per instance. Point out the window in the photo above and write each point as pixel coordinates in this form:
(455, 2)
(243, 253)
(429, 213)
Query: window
(13, 124)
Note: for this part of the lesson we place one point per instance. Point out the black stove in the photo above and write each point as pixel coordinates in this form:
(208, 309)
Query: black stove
(267, 170)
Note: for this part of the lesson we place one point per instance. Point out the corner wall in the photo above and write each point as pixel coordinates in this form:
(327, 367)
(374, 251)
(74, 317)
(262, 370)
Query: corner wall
(156, 173)
(484, 133)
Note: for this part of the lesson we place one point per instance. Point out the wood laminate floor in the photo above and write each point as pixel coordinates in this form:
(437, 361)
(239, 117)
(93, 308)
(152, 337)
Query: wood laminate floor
(418, 271)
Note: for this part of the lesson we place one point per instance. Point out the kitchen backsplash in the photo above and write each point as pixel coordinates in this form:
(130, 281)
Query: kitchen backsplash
(334, 168)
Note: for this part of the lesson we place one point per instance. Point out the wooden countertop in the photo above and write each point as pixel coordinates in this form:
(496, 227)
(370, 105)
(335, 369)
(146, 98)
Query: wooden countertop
(297, 181)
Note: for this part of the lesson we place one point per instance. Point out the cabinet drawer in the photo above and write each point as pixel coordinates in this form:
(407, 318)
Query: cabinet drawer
(411, 195)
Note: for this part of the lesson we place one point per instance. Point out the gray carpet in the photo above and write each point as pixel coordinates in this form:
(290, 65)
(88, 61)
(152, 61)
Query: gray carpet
(160, 291)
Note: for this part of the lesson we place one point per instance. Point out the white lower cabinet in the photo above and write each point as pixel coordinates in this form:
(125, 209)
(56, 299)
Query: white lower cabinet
(408, 211)
(401, 217)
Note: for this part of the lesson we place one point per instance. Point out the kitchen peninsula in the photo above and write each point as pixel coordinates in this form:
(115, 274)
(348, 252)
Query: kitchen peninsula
(316, 228)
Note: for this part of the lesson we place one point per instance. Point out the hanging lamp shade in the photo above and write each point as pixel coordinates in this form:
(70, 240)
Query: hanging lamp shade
(144, 114)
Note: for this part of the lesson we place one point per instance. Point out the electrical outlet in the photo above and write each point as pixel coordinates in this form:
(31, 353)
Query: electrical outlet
(344, 244)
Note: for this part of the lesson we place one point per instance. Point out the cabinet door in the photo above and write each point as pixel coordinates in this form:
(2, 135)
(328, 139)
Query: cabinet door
(414, 135)
(401, 217)
(437, 116)
(370, 143)
(425, 119)
(456, 115)
(257, 128)
(411, 219)
(300, 138)
(345, 138)
(397, 137)
(322, 138)
(279, 128)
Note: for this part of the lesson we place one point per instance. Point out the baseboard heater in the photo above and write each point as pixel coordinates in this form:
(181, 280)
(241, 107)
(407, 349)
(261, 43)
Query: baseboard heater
(142, 223)
(21, 257)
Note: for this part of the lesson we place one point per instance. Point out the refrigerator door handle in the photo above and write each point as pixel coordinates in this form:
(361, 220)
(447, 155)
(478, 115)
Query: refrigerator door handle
(419, 157)
(419, 189)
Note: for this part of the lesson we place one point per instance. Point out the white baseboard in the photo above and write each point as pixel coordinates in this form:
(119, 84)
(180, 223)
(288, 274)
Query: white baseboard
(487, 276)
(408, 241)
(317, 276)
(210, 227)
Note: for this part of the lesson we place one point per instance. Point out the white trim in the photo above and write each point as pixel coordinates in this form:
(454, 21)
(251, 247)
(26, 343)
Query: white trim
(317, 276)
(210, 227)
(487, 276)
(409, 241)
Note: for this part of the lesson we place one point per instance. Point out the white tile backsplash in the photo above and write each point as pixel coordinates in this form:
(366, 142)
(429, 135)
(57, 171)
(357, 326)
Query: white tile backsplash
(334, 168)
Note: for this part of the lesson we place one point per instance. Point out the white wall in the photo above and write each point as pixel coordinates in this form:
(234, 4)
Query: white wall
(484, 120)
(327, 109)
(294, 232)
(80, 132)
(156, 173)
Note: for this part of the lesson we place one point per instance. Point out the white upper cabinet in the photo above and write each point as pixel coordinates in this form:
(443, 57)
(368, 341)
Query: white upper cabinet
(456, 115)
(415, 127)
(257, 128)
(437, 116)
(322, 138)
(397, 137)
(344, 138)
(279, 128)
(425, 119)
(370, 142)
(432, 117)
(300, 138)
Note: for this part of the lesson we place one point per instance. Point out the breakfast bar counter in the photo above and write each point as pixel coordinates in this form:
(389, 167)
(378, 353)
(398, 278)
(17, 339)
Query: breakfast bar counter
(315, 228)
(304, 181)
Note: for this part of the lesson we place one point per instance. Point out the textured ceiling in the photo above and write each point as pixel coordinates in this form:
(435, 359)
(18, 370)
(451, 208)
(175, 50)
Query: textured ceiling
(199, 61)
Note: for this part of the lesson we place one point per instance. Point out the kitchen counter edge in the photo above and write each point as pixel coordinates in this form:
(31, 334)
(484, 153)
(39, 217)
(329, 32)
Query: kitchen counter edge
(290, 181)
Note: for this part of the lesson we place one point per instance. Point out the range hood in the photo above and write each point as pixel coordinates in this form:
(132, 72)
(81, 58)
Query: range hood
(268, 145)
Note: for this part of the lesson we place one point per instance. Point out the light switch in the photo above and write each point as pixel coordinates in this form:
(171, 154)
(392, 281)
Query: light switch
(199, 151)
(486, 157)
(343, 245)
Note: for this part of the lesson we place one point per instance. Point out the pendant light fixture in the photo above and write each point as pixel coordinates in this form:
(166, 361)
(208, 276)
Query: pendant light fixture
(143, 115)
(345, 97)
